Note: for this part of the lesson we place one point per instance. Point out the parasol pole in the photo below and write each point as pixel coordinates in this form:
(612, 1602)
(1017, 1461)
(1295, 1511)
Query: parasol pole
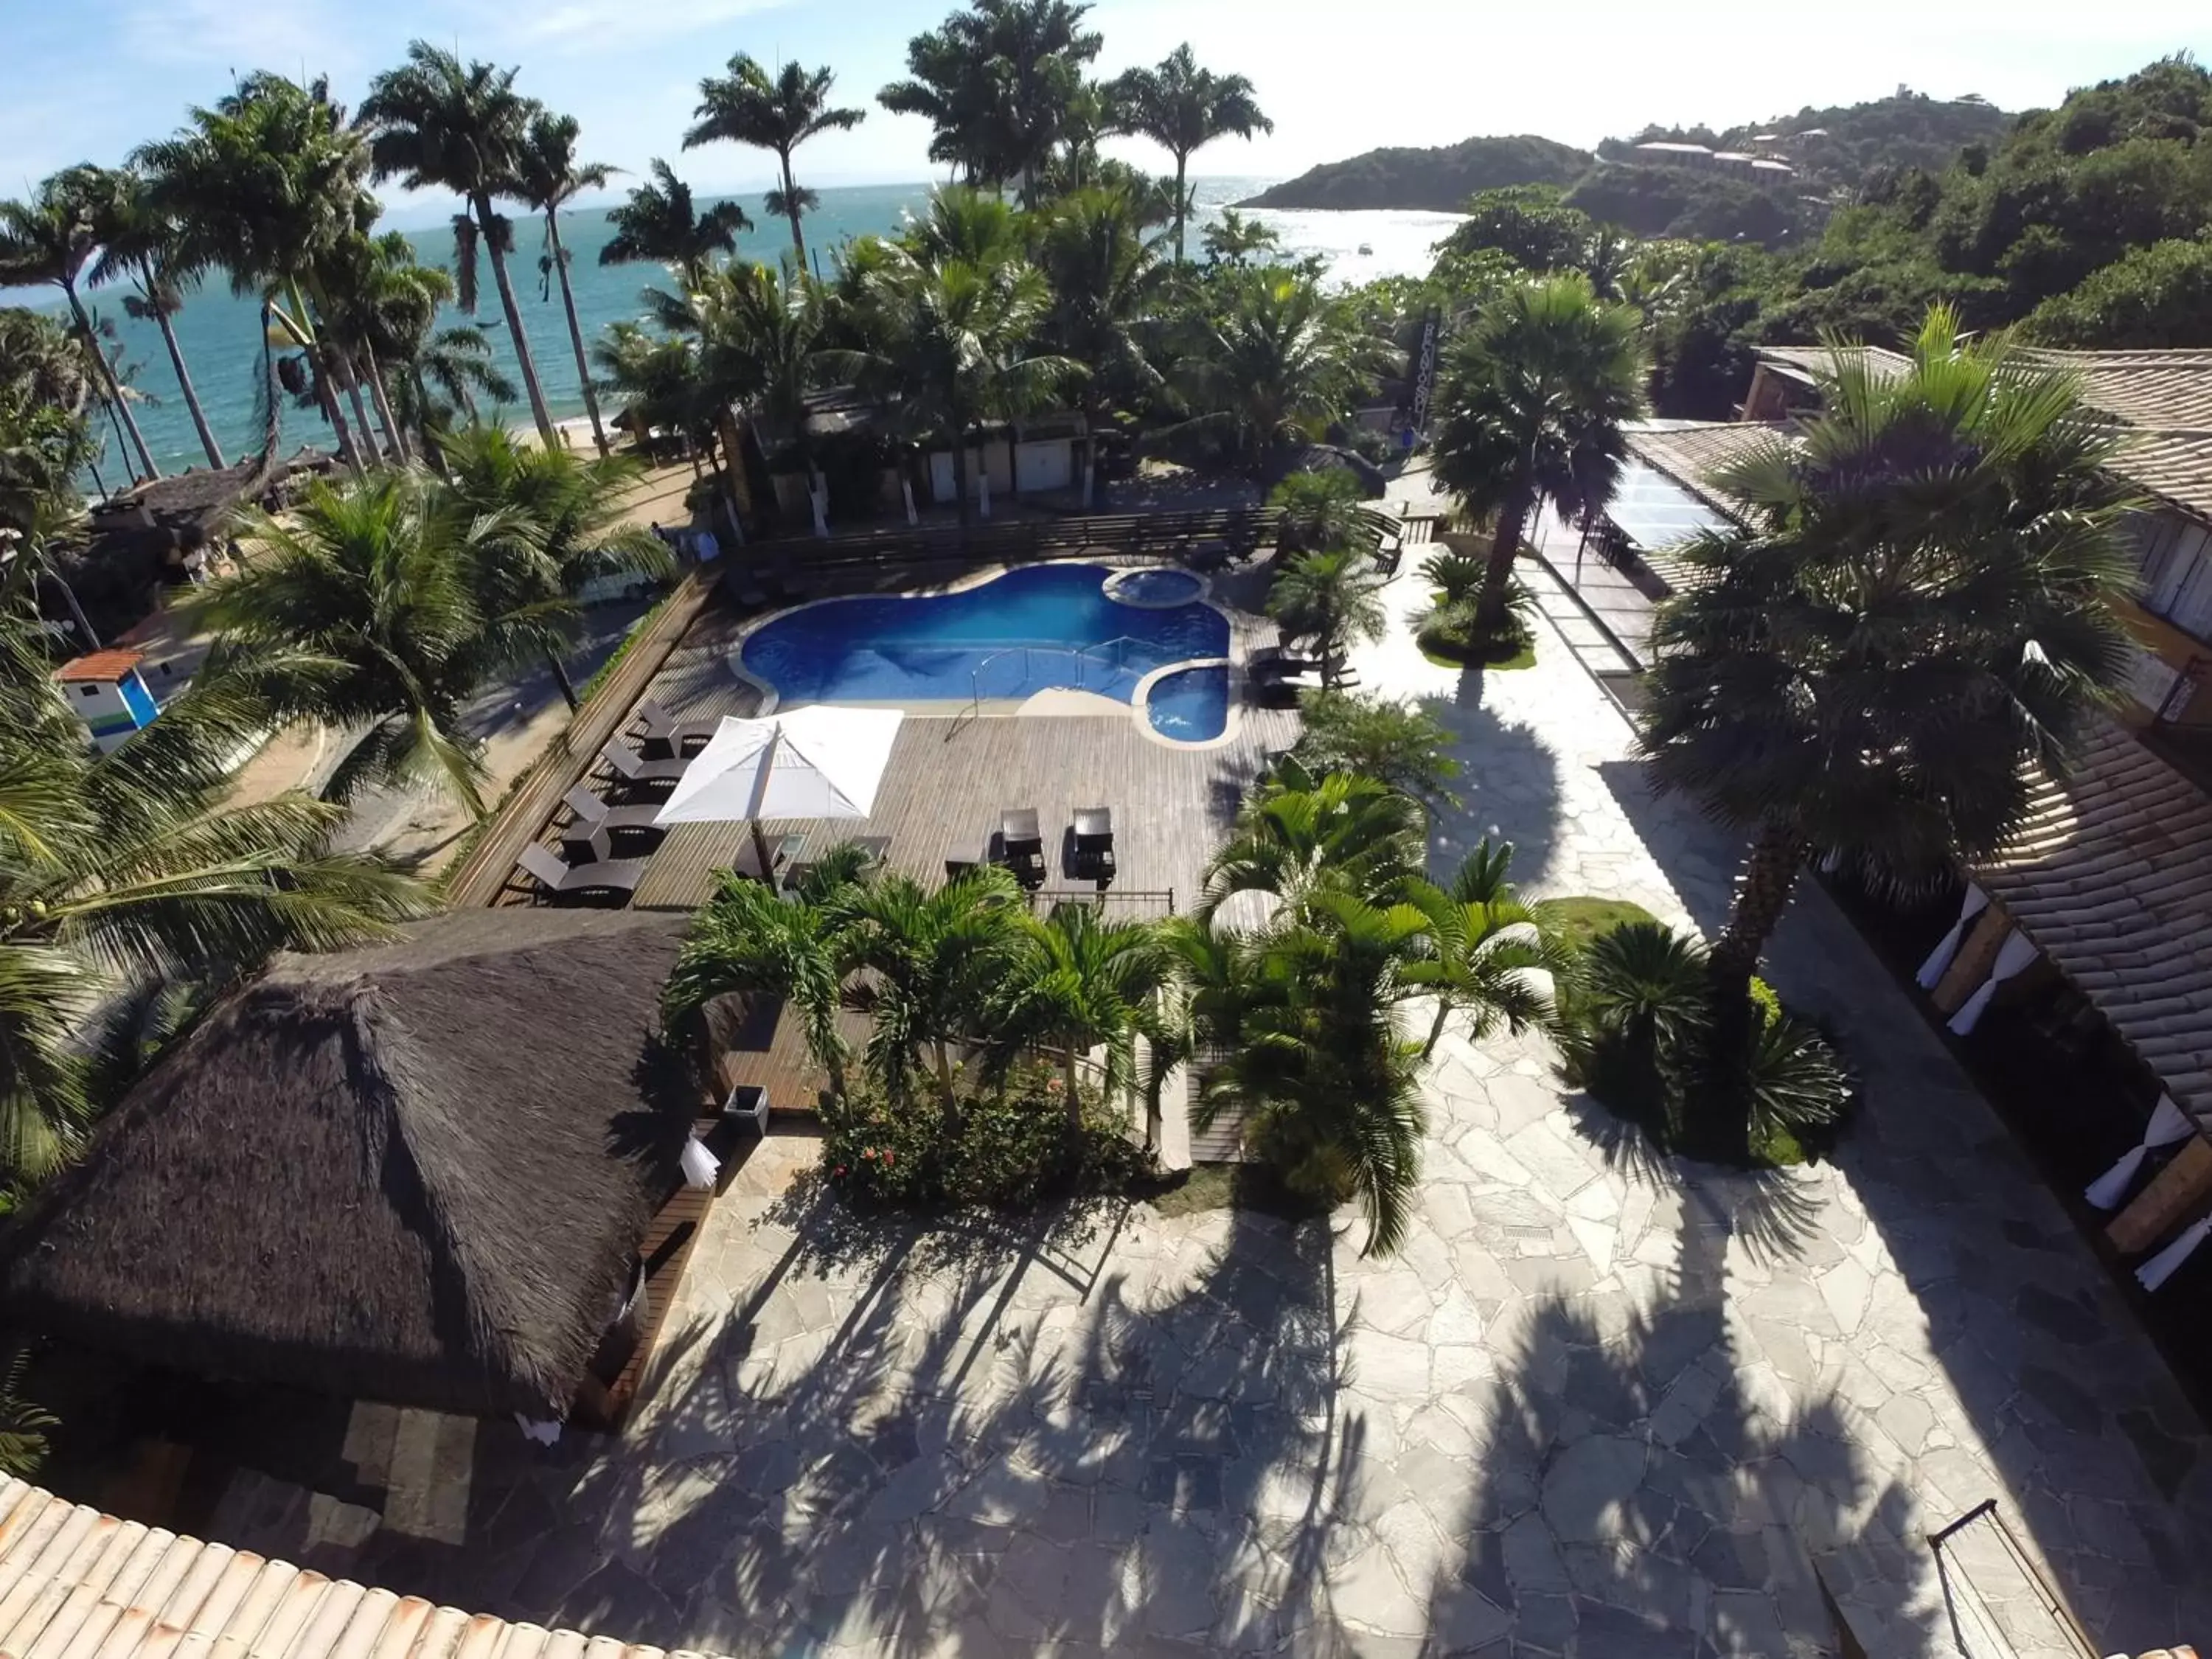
(760, 770)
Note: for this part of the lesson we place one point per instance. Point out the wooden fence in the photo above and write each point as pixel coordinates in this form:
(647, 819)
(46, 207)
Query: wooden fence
(479, 877)
(1236, 530)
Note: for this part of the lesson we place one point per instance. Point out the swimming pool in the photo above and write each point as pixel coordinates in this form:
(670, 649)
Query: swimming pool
(1191, 705)
(1031, 630)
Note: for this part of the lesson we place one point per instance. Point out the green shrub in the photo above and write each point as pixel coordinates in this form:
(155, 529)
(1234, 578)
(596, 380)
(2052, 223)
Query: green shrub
(1449, 632)
(1640, 1040)
(1010, 1153)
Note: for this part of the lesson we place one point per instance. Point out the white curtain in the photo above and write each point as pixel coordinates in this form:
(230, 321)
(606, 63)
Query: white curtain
(1946, 948)
(2168, 1124)
(2013, 957)
(700, 1165)
(2161, 1267)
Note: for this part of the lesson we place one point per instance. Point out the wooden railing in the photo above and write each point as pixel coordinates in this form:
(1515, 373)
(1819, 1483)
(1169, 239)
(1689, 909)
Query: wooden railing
(1239, 530)
(478, 879)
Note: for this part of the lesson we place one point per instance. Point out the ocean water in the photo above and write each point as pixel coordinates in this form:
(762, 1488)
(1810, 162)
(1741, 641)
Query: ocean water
(1035, 628)
(219, 333)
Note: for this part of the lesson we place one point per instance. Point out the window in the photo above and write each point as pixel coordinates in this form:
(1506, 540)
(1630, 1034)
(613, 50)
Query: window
(87, 690)
(2177, 558)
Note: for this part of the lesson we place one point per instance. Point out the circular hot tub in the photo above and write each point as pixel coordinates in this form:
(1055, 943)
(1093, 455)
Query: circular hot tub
(1159, 587)
(1190, 705)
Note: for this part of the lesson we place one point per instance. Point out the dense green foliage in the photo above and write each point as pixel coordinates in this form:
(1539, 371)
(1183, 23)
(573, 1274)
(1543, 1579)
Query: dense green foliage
(1439, 179)
(1846, 144)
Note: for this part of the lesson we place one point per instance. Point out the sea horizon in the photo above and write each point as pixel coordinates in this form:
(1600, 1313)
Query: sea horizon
(219, 333)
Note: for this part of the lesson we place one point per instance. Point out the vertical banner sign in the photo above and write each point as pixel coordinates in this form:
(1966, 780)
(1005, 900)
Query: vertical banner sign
(1425, 378)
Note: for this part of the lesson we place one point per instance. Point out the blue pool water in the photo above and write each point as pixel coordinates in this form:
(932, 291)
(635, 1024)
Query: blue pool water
(1155, 585)
(1041, 626)
(1190, 705)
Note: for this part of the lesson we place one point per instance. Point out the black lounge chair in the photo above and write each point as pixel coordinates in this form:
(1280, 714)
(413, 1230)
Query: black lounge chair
(634, 771)
(606, 879)
(1276, 682)
(1019, 845)
(1090, 849)
(665, 735)
(594, 823)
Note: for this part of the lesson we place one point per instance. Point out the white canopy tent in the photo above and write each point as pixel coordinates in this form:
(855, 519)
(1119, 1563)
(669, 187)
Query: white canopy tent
(820, 760)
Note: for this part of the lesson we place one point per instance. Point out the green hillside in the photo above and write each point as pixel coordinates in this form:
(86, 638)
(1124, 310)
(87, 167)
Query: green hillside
(1440, 179)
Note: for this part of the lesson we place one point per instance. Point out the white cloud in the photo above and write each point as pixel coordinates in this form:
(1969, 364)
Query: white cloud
(293, 37)
(580, 25)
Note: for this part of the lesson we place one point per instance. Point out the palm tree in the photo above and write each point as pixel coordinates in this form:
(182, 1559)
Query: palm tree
(1489, 956)
(933, 959)
(1278, 364)
(954, 345)
(364, 608)
(49, 240)
(1234, 240)
(1000, 84)
(127, 866)
(1182, 108)
(269, 184)
(749, 940)
(1301, 833)
(746, 107)
(442, 374)
(1533, 399)
(1916, 615)
(47, 386)
(381, 303)
(572, 511)
(548, 177)
(1107, 283)
(139, 241)
(659, 225)
(762, 343)
(436, 124)
(1075, 982)
(1334, 598)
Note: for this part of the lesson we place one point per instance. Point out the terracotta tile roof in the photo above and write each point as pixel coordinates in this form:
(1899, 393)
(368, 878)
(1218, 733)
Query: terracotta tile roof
(100, 666)
(74, 1581)
(2111, 875)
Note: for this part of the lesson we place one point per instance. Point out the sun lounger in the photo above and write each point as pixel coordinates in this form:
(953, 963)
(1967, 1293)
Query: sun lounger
(636, 772)
(592, 822)
(1090, 851)
(780, 852)
(614, 880)
(665, 736)
(1019, 845)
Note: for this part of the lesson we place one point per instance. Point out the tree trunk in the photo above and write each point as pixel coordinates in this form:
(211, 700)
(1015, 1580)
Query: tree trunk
(1762, 894)
(352, 383)
(1074, 1108)
(960, 472)
(576, 333)
(1183, 162)
(482, 204)
(943, 1061)
(560, 678)
(119, 410)
(791, 208)
(395, 435)
(213, 449)
(1437, 1030)
(1498, 576)
(326, 398)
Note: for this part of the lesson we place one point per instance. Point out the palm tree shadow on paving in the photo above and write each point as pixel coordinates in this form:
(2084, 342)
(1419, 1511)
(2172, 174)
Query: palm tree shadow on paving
(1644, 1492)
(1008, 1446)
(1508, 781)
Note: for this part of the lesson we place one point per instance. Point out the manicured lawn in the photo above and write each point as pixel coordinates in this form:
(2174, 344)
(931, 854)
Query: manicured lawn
(1581, 918)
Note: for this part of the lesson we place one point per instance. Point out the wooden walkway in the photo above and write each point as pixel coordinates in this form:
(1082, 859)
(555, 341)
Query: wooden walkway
(949, 779)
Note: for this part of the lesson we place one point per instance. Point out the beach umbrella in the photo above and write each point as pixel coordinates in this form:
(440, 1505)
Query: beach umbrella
(821, 760)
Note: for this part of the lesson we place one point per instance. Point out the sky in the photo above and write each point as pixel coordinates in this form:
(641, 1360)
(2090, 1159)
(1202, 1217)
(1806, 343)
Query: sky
(88, 79)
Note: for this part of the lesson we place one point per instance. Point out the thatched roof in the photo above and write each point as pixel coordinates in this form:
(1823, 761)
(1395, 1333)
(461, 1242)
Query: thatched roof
(416, 1172)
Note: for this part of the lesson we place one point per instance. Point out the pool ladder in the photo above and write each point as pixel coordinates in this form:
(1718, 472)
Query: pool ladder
(1082, 653)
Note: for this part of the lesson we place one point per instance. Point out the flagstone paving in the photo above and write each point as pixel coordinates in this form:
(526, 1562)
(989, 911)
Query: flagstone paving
(1595, 1406)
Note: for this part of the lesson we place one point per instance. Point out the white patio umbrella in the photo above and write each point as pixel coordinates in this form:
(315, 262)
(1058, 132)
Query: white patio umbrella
(817, 762)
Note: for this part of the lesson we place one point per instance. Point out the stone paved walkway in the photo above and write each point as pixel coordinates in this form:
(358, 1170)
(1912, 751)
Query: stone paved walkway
(1593, 1407)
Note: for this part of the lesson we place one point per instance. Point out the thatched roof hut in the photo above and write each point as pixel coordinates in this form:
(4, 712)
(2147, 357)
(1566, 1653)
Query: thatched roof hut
(417, 1172)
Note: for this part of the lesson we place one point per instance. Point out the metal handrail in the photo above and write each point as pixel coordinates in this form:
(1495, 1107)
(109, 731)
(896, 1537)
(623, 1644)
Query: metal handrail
(1082, 653)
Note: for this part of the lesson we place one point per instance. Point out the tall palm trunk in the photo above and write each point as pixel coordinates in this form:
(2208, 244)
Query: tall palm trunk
(1183, 165)
(1074, 1105)
(576, 330)
(941, 1059)
(1498, 576)
(1762, 894)
(395, 434)
(485, 219)
(326, 398)
(120, 409)
(352, 383)
(790, 209)
(213, 449)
